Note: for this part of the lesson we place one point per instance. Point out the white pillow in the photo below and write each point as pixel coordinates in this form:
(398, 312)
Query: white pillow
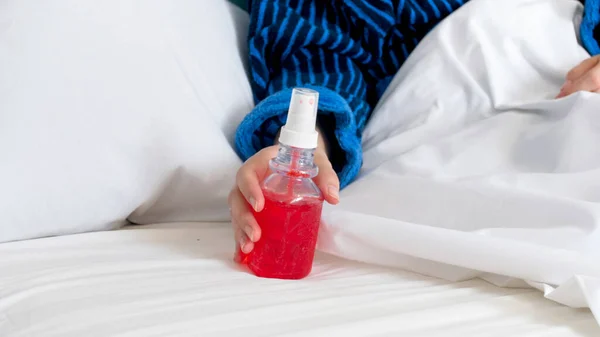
(116, 109)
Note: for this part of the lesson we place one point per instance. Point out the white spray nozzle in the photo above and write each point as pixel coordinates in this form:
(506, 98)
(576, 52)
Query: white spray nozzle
(299, 130)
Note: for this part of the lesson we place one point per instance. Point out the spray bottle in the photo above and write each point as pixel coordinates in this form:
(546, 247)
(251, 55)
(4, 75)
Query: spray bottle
(291, 215)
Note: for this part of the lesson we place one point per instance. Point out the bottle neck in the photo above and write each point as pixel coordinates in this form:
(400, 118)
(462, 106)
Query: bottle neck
(294, 162)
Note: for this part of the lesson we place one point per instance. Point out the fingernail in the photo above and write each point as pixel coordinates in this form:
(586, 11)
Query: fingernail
(244, 246)
(333, 192)
(248, 230)
(252, 202)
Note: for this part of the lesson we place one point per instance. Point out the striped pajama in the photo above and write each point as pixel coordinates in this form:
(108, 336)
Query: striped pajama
(348, 50)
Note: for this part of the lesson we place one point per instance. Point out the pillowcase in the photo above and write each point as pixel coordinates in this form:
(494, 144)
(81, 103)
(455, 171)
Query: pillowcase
(117, 109)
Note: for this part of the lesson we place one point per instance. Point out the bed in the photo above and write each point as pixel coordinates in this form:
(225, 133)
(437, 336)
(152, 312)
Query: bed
(179, 280)
(475, 213)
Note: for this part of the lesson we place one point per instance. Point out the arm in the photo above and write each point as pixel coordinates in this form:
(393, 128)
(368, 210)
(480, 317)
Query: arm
(305, 46)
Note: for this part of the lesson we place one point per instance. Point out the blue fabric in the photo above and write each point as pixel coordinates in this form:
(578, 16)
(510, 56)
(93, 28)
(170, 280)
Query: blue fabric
(347, 50)
(589, 24)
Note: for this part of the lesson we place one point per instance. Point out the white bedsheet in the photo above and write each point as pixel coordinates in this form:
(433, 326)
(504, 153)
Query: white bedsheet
(177, 280)
(473, 169)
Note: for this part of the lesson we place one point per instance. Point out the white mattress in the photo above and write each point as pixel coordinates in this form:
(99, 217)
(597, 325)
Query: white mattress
(177, 280)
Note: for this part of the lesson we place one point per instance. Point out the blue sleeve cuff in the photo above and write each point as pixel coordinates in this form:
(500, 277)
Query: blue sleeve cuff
(330, 103)
(591, 18)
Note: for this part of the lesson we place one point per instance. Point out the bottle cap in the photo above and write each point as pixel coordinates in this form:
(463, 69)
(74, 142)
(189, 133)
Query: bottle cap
(299, 130)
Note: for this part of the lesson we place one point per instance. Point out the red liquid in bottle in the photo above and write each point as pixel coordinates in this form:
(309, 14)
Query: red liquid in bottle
(291, 215)
(286, 248)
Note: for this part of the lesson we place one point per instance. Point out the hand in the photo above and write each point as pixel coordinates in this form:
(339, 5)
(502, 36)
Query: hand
(584, 77)
(247, 194)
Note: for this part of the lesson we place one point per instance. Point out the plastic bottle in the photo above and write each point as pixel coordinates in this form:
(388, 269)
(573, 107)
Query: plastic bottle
(291, 216)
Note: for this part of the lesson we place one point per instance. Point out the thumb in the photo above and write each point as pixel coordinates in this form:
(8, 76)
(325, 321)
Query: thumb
(327, 180)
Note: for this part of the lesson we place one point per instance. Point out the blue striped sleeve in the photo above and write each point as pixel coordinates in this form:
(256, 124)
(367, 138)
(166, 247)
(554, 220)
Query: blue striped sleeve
(306, 44)
(589, 29)
(347, 50)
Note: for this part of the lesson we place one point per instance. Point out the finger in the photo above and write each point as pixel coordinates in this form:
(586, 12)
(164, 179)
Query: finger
(249, 186)
(327, 180)
(582, 68)
(251, 174)
(243, 219)
(590, 81)
(244, 245)
(237, 250)
(575, 75)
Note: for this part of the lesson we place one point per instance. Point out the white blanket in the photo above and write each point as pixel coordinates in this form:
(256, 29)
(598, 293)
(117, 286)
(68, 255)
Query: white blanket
(473, 169)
